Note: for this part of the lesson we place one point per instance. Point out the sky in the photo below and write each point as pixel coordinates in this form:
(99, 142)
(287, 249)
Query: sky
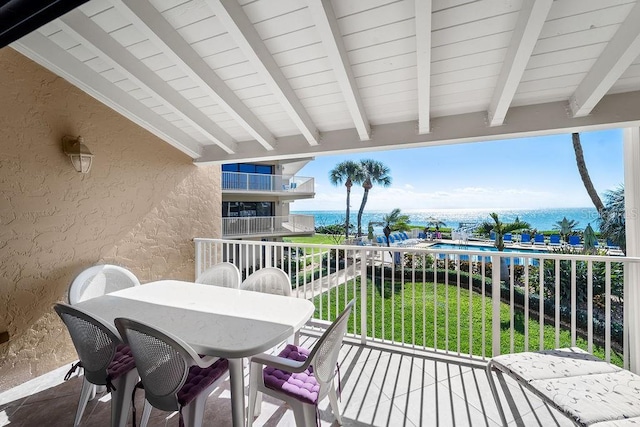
(524, 173)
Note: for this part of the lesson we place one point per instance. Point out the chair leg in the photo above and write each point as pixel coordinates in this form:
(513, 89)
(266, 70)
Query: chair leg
(146, 413)
(85, 393)
(255, 398)
(95, 390)
(494, 391)
(304, 413)
(121, 398)
(193, 413)
(333, 399)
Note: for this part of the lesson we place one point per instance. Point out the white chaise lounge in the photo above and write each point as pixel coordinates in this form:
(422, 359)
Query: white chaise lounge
(588, 390)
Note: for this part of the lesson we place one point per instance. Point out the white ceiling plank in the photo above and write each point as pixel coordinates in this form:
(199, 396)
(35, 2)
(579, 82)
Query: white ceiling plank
(148, 20)
(530, 21)
(327, 26)
(423, 60)
(620, 52)
(82, 27)
(43, 51)
(614, 111)
(247, 38)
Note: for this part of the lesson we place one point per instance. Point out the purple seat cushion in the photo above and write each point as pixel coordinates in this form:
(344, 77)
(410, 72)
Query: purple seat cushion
(302, 386)
(122, 362)
(199, 379)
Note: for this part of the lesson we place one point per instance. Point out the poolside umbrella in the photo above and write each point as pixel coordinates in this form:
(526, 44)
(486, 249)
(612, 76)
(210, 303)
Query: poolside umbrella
(435, 222)
(590, 240)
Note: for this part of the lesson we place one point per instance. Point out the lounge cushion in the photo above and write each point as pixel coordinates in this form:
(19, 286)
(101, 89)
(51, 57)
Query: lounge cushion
(564, 362)
(590, 399)
(302, 386)
(586, 389)
(199, 379)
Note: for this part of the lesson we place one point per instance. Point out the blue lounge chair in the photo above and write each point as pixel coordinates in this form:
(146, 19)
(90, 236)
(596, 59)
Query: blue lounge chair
(525, 239)
(611, 245)
(507, 238)
(492, 235)
(538, 239)
(554, 240)
(380, 240)
(575, 241)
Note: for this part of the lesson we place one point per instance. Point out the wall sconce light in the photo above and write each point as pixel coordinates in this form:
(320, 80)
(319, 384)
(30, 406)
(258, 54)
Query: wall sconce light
(81, 157)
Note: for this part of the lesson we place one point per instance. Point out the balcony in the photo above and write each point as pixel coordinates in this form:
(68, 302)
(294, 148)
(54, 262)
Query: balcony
(258, 226)
(282, 185)
(414, 354)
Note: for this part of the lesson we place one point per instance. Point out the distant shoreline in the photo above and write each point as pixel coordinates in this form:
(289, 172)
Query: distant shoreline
(540, 219)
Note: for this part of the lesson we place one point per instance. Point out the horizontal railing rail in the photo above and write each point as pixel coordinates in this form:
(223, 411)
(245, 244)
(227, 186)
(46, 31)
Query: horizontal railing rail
(267, 225)
(443, 300)
(252, 182)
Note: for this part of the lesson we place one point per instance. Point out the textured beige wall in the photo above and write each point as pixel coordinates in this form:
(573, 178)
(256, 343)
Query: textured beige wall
(140, 207)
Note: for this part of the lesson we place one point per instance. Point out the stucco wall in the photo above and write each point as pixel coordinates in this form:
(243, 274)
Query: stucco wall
(140, 207)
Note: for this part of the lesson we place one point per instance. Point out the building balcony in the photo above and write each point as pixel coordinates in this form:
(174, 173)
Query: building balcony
(264, 226)
(284, 186)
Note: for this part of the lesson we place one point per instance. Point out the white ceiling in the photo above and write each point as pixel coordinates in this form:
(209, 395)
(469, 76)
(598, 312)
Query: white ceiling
(231, 80)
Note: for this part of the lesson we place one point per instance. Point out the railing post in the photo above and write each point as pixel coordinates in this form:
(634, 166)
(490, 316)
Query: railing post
(495, 305)
(198, 258)
(363, 296)
(631, 159)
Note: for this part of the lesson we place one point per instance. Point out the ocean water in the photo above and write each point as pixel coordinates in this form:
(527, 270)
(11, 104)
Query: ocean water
(540, 219)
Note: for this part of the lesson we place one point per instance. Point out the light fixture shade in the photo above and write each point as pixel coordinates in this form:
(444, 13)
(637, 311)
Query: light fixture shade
(80, 156)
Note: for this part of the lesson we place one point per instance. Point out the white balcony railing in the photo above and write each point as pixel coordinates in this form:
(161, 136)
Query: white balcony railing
(267, 225)
(426, 299)
(253, 182)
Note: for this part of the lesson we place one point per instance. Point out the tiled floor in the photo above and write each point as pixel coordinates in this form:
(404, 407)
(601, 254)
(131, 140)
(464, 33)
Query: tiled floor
(381, 387)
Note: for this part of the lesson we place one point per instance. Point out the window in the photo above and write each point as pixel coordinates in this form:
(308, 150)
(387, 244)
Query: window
(247, 209)
(248, 168)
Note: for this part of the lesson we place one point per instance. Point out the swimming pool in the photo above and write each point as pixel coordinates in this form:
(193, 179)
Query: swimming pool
(481, 248)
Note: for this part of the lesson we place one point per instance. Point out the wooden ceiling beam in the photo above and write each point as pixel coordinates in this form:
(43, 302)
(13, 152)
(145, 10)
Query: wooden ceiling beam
(423, 60)
(619, 53)
(237, 24)
(155, 27)
(327, 25)
(531, 18)
(95, 38)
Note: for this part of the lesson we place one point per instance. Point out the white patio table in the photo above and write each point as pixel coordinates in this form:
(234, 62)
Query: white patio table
(215, 321)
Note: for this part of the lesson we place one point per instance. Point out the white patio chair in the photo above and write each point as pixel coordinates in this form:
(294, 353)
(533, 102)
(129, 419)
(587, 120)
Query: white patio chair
(94, 282)
(174, 376)
(300, 377)
(269, 280)
(223, 274)
(100, 280)
(105, 359)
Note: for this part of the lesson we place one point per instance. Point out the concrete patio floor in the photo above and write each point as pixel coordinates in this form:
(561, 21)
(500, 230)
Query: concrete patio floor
(382, 386)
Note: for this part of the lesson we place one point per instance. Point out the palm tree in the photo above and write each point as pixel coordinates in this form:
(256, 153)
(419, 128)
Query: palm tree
(349, 173)
(584, 174)
(501, 228)
(375, 172)
(612, 221)
(395, 221)
(566, 227)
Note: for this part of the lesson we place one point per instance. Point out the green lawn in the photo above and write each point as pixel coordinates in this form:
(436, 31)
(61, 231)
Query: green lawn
(418, 319)
(320, 239)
